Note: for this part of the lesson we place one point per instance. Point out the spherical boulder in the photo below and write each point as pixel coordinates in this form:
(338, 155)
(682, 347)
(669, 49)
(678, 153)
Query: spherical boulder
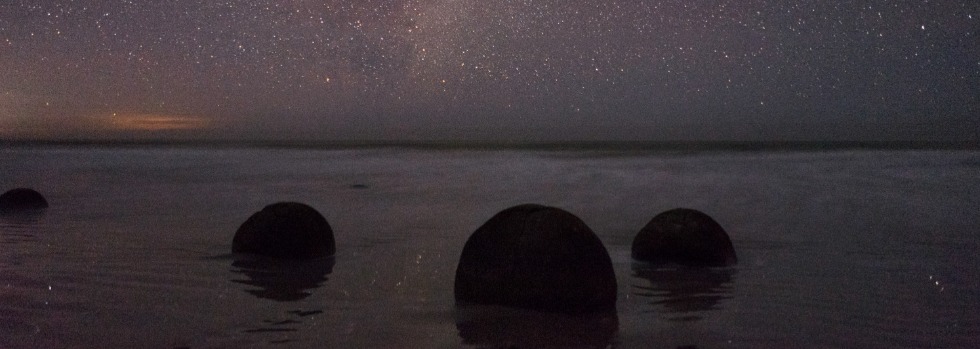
(536, 257)
(285, 230)
(684, 236)
(22, 199)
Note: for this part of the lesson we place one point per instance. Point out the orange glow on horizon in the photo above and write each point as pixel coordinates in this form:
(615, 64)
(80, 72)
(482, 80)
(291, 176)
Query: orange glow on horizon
(156, 122)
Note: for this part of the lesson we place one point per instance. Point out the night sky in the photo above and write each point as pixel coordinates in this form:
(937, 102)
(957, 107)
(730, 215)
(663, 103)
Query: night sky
(514, 70)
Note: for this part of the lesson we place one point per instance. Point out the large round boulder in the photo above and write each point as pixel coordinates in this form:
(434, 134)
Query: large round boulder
(22, 199)
(285, 230)
(536, 257)
(684, 236)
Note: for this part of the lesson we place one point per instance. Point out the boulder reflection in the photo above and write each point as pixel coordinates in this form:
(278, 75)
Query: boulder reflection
(20, 227)
(684, 292)
(502, 327)
(282, 280)
(23, 217)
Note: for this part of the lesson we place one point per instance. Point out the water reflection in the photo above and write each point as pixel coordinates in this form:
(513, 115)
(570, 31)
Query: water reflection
(501, 327)
(684, 292)
(19, 226)
(282, 280)
(21, 217)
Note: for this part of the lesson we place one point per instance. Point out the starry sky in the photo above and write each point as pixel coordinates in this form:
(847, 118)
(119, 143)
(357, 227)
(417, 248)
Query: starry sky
(514, 70)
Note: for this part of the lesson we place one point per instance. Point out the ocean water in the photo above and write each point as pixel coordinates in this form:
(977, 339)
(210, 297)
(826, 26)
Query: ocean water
(843, 248)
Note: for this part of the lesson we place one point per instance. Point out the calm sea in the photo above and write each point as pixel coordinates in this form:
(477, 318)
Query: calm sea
(837, 248)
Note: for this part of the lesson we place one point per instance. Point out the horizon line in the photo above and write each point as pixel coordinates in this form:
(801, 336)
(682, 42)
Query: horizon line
(665, 145)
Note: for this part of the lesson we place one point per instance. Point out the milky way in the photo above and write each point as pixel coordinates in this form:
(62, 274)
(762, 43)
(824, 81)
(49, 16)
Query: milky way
(469, 70)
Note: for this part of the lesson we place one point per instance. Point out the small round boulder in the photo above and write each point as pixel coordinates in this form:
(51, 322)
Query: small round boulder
(536, 257)
(22, 199)
(686, 237)
(285, 230)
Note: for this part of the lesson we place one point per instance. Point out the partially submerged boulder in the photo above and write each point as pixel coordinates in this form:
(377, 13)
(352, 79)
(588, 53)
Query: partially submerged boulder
(536, 257)
(684, 236)
(20, 199)
(285, 230)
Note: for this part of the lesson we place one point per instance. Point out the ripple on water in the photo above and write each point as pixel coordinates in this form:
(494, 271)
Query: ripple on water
(683, 293)
(18, 229)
